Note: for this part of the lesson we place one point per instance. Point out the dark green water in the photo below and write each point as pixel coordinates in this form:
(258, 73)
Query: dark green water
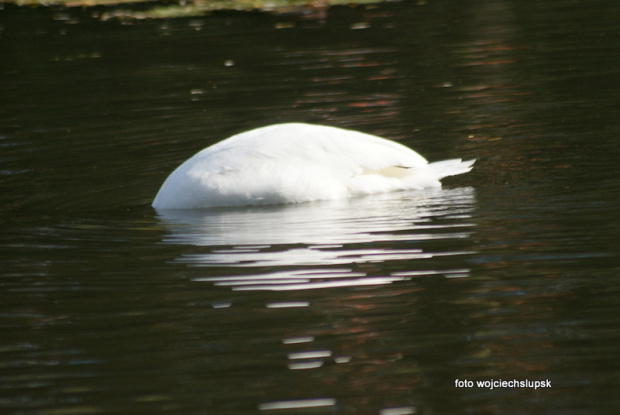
(376, 306)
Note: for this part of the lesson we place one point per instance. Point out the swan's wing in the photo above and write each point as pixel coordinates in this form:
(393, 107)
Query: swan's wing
(327, 148)
(452, 167)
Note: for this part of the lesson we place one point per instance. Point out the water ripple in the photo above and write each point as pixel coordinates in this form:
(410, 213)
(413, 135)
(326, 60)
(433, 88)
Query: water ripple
(324, 245)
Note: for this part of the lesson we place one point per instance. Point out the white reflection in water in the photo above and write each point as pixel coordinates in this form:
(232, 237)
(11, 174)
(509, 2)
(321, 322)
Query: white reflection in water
(297, 404)
(368, 219)
(405, 410)
(322, 239)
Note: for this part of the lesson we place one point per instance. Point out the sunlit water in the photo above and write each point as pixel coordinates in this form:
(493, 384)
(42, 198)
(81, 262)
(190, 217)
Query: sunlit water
(389, 304)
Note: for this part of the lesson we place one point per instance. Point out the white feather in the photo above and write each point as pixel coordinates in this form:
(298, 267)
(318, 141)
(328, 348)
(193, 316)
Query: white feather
(292, 163)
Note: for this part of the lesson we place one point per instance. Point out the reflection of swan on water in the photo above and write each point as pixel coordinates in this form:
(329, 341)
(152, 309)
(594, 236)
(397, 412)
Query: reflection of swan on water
(292, 163)
(331, 232)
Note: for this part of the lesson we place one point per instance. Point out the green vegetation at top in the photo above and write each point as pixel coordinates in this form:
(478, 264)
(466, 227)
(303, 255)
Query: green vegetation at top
(193, 7)
(202, 6)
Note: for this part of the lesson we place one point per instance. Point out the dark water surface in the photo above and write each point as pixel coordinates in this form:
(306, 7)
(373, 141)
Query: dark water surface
(380, 305)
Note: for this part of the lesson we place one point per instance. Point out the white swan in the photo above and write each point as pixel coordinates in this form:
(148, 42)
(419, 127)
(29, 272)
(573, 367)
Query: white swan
(292, 163)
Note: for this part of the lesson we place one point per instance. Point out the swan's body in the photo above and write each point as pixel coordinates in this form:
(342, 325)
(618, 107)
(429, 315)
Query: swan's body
(292, 163)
